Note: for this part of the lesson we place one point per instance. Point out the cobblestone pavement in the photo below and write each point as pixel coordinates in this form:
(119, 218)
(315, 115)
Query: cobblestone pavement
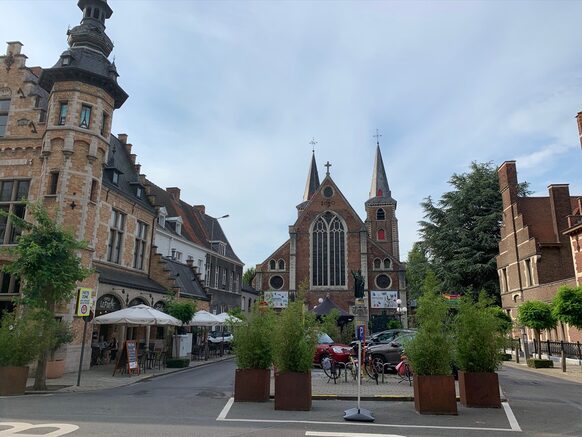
(100, 377)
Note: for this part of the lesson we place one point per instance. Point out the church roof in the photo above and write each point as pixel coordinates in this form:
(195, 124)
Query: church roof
(380, 190)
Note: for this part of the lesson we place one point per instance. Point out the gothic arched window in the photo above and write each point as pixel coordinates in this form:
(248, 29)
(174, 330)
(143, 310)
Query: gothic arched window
(281, 264)
(272, 265)
(381, 234)
(380, 214)
(387, 263)
(377, 264)
(328, 251)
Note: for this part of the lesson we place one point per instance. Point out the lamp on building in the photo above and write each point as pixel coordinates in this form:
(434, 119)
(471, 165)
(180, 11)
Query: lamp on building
(401, 310)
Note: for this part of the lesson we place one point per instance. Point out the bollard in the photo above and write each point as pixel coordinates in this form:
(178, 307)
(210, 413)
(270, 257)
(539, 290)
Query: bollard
(563, 356)
(518, 350)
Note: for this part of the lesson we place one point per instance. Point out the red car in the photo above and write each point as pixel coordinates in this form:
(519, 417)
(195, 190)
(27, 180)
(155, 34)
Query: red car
(326, 347)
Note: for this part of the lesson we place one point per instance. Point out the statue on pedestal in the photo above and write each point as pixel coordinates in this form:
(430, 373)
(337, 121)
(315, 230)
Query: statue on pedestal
(358, 284)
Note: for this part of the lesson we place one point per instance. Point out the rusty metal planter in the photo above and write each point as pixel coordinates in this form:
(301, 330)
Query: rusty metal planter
(479, 389)
(293, 391)
(252, 385)
(435, 394)
(13, 380)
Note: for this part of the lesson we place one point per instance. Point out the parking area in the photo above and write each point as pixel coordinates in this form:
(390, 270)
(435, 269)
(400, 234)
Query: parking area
(390, 417)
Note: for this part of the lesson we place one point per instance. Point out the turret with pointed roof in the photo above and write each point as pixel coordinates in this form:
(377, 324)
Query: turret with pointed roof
(380, 190)
(312, 184)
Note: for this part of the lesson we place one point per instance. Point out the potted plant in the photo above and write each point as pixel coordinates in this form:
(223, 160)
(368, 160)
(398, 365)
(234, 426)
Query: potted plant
(20, 338)
(479, 340)
(430, 356)
(62, 334)
(253, 348)
(294, 346)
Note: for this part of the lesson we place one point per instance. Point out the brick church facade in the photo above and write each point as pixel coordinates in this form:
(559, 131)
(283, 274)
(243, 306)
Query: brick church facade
(329, 240)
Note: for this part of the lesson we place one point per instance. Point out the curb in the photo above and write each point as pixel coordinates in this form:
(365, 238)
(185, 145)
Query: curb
(129, 382)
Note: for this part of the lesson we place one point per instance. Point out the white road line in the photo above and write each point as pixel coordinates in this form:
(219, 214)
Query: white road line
(380, 425)
(347, 434)
(225, 410)
(511, 417)
(16, 429)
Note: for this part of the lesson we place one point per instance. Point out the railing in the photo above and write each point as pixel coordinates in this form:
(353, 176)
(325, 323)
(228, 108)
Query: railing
(571, 350)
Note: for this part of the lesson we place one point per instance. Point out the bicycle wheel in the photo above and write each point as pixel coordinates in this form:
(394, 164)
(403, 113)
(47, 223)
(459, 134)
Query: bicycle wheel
(330, 368)
(371, 371)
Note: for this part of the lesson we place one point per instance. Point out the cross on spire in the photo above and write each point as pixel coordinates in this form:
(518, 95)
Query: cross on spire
(313, 143)
(328, 165)
(377, 136)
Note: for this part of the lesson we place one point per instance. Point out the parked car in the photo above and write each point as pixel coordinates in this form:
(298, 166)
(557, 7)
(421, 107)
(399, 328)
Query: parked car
(382, 337)
(219, 337)
(327, 348)
(389, 353)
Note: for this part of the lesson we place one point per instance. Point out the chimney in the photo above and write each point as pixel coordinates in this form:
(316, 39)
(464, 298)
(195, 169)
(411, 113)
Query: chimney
(579, 119)
(507, 173)
(200, 208)
(137, 168)
(122, 138)
(128, 147)
(174, 192)
(561, 208)
(190, 262)
(13, 47)
(132, 157)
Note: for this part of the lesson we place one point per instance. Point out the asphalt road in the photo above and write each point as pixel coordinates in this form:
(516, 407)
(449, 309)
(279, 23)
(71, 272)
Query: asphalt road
(189, 403)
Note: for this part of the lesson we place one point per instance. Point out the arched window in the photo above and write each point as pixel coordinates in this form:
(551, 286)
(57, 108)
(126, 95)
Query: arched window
(328, 251)
(381, 234)
(387, 263)
(272, 265)
(281, 264)
(377, 264)
(380, 214)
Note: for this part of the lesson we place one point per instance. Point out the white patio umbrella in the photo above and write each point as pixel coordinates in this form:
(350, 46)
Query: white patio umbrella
(141, 315)
(204, 318)
(227, 318)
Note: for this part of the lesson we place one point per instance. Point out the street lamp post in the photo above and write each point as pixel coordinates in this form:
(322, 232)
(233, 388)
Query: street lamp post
(401, 310)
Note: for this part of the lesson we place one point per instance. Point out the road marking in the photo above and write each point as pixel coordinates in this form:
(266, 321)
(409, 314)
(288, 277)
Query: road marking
(225, 410)
(511, 417)
(347, 434)
(16, 429)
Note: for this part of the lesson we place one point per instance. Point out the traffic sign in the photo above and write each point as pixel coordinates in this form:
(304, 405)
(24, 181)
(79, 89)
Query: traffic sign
(84, 301)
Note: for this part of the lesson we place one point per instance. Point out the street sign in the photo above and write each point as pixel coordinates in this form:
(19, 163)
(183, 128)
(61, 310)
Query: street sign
(360, 332)
(84, 301)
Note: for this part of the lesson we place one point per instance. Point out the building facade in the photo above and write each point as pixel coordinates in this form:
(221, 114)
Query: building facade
(329, 241)
(535, 255)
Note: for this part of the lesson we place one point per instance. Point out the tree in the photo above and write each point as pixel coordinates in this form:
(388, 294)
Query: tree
(461, 231)
(249, 275)
(329, 325)
(536, 315)
(181, 309)
(46, 260)
(417, 267)
(567, 306)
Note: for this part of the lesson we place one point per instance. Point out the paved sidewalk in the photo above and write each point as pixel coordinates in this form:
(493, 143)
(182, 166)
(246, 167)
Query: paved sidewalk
(573, 372)
(100, 377)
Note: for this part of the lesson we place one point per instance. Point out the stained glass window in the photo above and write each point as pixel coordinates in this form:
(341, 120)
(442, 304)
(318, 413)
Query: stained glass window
(328, 251)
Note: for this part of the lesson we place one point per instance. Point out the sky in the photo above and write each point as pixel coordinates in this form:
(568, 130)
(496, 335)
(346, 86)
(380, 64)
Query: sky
(225, 97)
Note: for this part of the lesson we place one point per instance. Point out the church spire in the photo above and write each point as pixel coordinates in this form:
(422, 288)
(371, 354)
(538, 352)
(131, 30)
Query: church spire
(380, 190)
(312, 184)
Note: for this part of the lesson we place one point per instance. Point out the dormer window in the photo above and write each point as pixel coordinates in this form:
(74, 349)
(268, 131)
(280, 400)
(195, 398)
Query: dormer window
(115, 177)
(178, 228)
(66, 60)
(139, 192)
(162, 214)
(177, 221)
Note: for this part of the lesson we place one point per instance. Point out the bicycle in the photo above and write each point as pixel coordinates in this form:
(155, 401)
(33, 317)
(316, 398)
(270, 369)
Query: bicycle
(403, 370)
(331, 369)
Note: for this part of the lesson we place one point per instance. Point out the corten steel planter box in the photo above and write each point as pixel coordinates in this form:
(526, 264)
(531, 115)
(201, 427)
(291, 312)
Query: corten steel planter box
(55, 369)
(293, 391)
(435, 394)
(252, 385)
(479, 389)
(13, 380)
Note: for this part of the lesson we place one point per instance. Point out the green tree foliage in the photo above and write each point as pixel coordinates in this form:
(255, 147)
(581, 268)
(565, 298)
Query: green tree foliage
(505, 322)
(347, 333)
(394, 324)
(45, 258)
(328, 324)
(183, 310)
(295, 339)
(538, 316)
(236, 312)
(249, 275)
(479, 337)
(567, 306)
(430, 352)
(252, 339)
(417, 267)
(20, 342)
(461, 231)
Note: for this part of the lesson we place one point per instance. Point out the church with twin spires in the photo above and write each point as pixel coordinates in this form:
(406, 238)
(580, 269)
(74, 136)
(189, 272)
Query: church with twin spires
(329, 241)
